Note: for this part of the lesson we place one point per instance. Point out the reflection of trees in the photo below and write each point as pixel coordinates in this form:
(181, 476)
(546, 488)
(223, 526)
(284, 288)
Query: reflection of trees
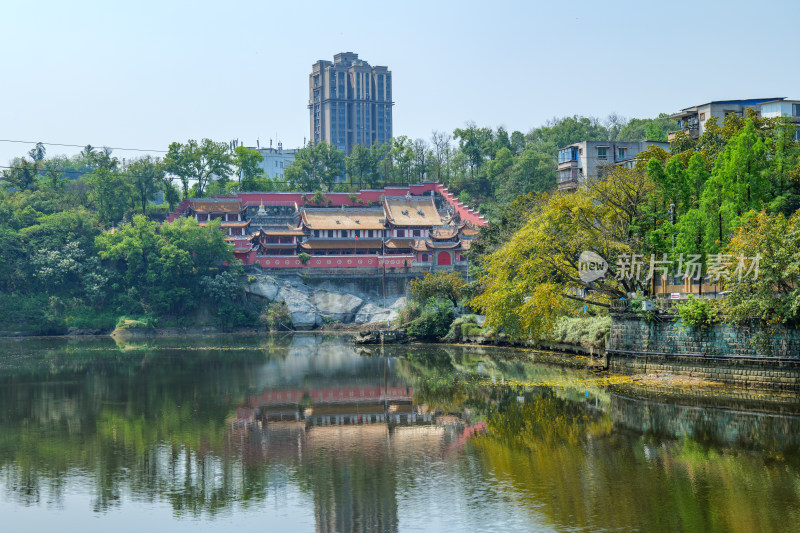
(152, 422)
(545, 421)
(566, 462)
(148, 420)
(452, 378)
(143, 421)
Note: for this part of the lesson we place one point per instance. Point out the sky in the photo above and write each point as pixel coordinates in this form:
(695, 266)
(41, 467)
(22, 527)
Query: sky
(143, 74)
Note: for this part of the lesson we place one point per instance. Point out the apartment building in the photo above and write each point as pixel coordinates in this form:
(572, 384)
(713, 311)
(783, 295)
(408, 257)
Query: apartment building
(587, 159)
(350, 102)
(692, 120)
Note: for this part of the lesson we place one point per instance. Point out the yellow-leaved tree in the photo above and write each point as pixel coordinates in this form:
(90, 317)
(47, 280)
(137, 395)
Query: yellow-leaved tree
(535, 278)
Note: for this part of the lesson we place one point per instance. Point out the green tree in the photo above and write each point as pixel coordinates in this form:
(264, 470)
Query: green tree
(476, 144)
(770, 294)
(162, 265)
(315, 167)
(737, 184)
(146, 177)
(13, 259)
(22, 174)
(441, 154)
(171, 193)
(401, 155)
(362, 167)
(38, 152)
(200, 162)
(443, 285)
(532, 172)
(648, 129)
(560, 132)
(110, 193)
(498, 168)
(247, 165)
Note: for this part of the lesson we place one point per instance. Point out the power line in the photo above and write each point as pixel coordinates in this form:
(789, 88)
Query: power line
(41, 170)
(82, 146)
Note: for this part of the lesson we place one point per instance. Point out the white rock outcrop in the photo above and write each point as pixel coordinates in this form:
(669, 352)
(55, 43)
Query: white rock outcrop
(309, 308)
(303, 312)
(341, 307)
(371, 312)
(265, 286)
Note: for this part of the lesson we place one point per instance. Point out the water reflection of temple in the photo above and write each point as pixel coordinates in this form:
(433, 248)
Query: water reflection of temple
(334, 406)
(345, 425)
(345, 443)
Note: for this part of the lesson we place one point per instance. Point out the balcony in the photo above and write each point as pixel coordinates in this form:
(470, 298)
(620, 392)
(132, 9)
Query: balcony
(567, 185)
(693, 132)
(569, 178)
(564, 165)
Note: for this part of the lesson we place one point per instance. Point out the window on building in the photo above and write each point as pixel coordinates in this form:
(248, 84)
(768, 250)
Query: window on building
(602, 153)
(796, 110)
(316, 233)
(369, 233)
(620, 153)
(702, 116)
(567, 154)
(330, 234)
(416, 233)
(402, 232)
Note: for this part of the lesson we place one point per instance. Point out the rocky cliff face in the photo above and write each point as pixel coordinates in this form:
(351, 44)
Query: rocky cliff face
(312, 303)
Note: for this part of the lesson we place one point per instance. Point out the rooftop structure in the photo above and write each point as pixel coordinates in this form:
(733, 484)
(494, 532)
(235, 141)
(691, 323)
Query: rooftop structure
(276, 160)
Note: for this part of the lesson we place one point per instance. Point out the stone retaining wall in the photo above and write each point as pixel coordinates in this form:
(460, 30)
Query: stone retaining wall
(748, 357)
(666, 335)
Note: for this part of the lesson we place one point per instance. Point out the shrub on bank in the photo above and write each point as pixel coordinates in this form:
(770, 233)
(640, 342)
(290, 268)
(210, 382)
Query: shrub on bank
(275, 316)
(698, 313)
(586, 331)
(463, 327)
(434, 320)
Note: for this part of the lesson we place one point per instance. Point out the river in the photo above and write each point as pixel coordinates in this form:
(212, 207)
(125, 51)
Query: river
(304, 433)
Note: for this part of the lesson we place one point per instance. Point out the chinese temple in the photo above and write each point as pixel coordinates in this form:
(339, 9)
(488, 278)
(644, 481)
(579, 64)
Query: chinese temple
(420, 225)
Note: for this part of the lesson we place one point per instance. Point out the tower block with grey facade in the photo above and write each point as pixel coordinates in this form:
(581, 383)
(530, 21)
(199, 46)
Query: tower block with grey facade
(350, 102)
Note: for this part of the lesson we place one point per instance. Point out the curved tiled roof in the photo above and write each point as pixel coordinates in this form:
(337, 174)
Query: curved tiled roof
(394, 244)
(411, 211)
(219, 205)
(324, 219)
(442, 233)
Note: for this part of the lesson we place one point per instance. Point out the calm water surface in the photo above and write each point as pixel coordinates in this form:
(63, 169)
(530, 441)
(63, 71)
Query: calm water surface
(303, 433)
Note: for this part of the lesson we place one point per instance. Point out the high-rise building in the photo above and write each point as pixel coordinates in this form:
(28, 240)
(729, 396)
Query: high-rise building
(350, 102)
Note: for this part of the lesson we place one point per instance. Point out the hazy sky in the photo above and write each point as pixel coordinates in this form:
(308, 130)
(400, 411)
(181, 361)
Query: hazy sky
(143, 74)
